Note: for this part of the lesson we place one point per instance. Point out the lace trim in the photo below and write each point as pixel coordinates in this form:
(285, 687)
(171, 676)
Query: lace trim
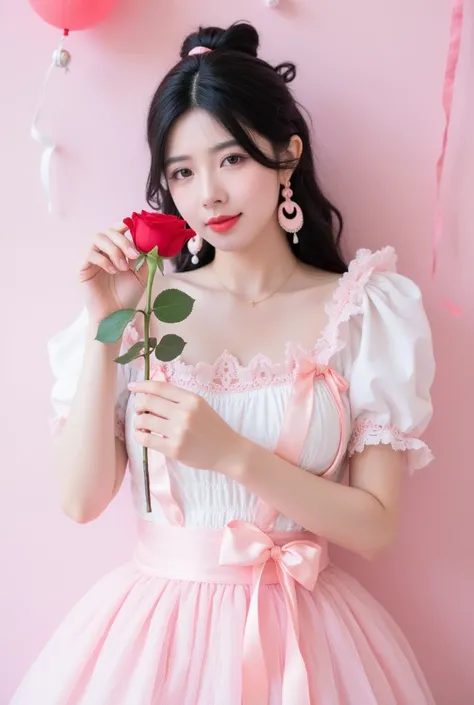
(226, 374)
(57, 425)
(348, 297)
(368, 433)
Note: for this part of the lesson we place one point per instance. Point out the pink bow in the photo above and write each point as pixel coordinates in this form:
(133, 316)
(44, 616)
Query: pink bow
(300, 409)
(308, 369)
(244, 544)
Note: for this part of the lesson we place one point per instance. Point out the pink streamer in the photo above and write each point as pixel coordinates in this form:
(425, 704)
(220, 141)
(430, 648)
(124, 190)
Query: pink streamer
(448, 91)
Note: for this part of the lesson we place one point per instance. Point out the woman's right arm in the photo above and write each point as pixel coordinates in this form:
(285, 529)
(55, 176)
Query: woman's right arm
(89, 459)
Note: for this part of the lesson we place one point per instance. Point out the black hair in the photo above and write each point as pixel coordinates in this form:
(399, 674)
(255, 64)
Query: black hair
(243, 93)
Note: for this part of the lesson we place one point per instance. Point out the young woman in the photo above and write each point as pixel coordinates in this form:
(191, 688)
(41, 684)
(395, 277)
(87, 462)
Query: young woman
(296, 368)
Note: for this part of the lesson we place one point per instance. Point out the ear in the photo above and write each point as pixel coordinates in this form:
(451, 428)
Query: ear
(291, 155)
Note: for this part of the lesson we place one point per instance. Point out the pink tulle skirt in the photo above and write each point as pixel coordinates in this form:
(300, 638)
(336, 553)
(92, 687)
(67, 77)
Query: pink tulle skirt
(140, 639)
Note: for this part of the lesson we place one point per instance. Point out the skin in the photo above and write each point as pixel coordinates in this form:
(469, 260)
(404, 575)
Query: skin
(207, 176)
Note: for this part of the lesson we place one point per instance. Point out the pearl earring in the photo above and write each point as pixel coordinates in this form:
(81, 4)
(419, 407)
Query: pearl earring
(194, 247)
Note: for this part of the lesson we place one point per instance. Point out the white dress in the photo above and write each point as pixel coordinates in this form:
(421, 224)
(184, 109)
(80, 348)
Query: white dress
(137, 638)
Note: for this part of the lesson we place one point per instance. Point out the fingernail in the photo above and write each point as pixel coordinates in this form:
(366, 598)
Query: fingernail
(123, 265)
(132, 253)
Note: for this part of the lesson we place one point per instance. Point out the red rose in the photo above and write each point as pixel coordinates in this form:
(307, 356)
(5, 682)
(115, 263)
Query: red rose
(166, 232)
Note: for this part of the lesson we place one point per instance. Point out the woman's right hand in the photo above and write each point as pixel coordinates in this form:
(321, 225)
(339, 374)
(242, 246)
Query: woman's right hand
(108, 274)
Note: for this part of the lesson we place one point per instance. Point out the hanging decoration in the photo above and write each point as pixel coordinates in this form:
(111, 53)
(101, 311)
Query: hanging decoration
(457, 17)
(67, 15)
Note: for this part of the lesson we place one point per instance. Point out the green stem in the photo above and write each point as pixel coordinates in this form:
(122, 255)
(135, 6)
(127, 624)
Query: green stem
(152, 266)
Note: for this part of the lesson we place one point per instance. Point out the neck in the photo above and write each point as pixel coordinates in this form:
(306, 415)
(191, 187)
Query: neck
(258, 269)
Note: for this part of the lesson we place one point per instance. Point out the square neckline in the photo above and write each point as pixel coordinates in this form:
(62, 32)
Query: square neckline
(341, 305)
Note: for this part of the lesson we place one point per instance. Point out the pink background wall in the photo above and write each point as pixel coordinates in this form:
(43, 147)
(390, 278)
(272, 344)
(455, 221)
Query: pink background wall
(370, 73)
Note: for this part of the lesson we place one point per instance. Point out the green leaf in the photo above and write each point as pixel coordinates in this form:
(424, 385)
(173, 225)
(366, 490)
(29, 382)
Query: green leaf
(169, 348)
(172, 306)
(111, 328)
(140, 261)
(161, 265)
(137, 350)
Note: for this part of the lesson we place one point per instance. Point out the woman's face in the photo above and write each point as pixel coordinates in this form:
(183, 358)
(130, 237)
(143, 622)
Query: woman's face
(209, 176)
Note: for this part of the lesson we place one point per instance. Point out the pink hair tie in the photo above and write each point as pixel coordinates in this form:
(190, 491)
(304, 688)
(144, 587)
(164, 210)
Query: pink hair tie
(199, 50)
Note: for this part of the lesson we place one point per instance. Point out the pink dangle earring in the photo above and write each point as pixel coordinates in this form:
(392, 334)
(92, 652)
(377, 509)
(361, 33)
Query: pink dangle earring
(290, 215)
(194, 247)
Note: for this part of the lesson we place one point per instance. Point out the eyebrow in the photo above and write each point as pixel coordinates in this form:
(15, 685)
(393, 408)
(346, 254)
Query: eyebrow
(217, 148)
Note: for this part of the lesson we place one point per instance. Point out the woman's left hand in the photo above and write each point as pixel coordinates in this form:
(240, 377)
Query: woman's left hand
(184, 427)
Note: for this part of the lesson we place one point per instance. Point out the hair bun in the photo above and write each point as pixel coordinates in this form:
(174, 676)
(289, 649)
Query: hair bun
(287, 71)
(241, 36)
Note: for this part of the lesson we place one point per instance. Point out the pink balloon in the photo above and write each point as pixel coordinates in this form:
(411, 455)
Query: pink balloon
(73, 14)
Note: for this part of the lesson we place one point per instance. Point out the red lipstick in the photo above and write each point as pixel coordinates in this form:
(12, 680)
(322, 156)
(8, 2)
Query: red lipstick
(223, 223)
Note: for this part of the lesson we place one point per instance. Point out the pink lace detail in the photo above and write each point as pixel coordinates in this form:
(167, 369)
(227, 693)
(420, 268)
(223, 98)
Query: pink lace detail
(348, 297)
(57, 425)
(227, 374)
(368, 433)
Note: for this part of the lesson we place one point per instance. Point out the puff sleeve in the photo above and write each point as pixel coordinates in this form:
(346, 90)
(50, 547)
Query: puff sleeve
(66, 352)
(392, 369)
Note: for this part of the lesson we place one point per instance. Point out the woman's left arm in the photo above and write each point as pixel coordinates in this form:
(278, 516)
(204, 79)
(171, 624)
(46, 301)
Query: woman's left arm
(361, 517)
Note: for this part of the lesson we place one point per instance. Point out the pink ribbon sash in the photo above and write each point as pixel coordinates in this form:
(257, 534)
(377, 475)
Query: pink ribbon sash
(242, 554)
(300, 409)
(161, 490)
(297, 423)
(297, 561)
(160, 478)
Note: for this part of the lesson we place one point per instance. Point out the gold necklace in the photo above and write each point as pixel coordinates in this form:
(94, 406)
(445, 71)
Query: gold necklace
(252, 302)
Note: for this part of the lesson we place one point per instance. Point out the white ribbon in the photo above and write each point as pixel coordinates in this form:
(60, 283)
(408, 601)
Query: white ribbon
(60, 59)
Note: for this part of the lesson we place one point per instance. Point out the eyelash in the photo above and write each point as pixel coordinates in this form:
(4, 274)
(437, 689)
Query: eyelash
(175, 175)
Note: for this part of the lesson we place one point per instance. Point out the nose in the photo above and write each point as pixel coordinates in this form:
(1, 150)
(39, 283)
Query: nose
(212, 192)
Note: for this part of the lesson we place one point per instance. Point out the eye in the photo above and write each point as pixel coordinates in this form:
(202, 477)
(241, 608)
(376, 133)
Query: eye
(234, 159)
(181, 174)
